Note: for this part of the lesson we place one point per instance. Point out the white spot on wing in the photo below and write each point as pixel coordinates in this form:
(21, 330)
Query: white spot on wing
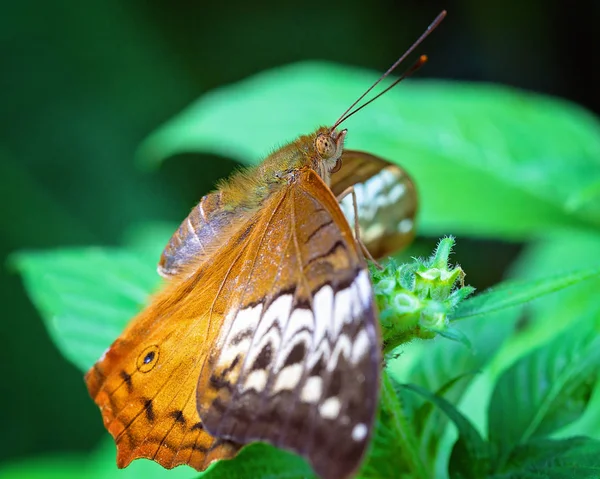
(377, 183)
(230, 352)
(323, 306)
(365, 291)
(396, 193)
(256, 380)
(341, 314)
(374, 231)
(300, 318)
(380, 192)
(245, 319)
(278, 309)
(405, 225)
(288, 378)
(299, 329)
(359, 432)
(348, 208)
(363, 203)
(356, 306)
(330, 409)
(361, 346)
(312, 390)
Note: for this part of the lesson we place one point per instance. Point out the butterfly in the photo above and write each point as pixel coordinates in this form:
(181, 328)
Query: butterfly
(266, 327)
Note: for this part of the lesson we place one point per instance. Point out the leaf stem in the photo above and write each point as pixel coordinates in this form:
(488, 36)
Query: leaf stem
(407, 442)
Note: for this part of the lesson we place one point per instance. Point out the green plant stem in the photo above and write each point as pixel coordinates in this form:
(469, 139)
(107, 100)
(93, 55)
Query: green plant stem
(407, 442)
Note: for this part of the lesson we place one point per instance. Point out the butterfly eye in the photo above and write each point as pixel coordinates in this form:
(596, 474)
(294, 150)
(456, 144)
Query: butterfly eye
(148, 359)
(325, 146)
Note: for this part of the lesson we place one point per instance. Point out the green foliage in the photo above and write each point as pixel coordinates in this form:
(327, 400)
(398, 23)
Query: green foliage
(518, 402)
(552, 387)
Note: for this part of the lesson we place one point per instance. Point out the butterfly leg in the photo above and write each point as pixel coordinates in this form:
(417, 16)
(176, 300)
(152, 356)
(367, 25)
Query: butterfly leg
(342, 195)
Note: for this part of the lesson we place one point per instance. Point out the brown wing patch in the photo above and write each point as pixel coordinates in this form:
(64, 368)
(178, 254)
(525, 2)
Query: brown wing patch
(297, 360)
(387, 201)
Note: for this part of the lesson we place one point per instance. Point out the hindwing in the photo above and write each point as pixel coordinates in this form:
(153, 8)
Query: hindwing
(386, 201)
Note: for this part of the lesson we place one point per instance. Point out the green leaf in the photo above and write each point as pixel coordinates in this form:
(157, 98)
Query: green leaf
(422, 414)
(544, 390)
(567, 251)
(86, 295)
(261, 461)
(470, 455)
(514, 293)
(576, 457)
(434, 364)
(589, 423)
(474, 150)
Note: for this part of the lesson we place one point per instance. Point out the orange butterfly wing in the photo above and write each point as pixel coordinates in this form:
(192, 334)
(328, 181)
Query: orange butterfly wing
(145, 384)
(386, 201)
(297, 361)
(315, 383)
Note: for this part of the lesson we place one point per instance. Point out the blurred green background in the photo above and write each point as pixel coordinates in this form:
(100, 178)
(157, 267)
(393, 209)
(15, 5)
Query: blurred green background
(83, 83)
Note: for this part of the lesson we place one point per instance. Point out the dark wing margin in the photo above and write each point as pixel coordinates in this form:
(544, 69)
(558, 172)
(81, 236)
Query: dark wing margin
(298, 358)
(386, 200)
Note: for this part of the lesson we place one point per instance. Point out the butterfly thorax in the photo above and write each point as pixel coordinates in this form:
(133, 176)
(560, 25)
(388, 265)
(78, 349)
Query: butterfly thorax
(248, 188)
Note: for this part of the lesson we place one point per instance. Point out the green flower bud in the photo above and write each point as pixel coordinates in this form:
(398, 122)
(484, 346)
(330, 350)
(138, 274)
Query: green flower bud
(415, 299)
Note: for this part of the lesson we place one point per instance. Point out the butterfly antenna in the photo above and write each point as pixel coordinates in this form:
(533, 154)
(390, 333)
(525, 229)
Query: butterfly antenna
(414, 67)
(409, 72)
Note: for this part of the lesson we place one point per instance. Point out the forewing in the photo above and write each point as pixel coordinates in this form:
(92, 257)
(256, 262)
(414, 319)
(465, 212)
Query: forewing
(297, 361)
(386, 201)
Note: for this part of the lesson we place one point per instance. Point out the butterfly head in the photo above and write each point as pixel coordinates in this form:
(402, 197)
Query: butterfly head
(328, 146)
